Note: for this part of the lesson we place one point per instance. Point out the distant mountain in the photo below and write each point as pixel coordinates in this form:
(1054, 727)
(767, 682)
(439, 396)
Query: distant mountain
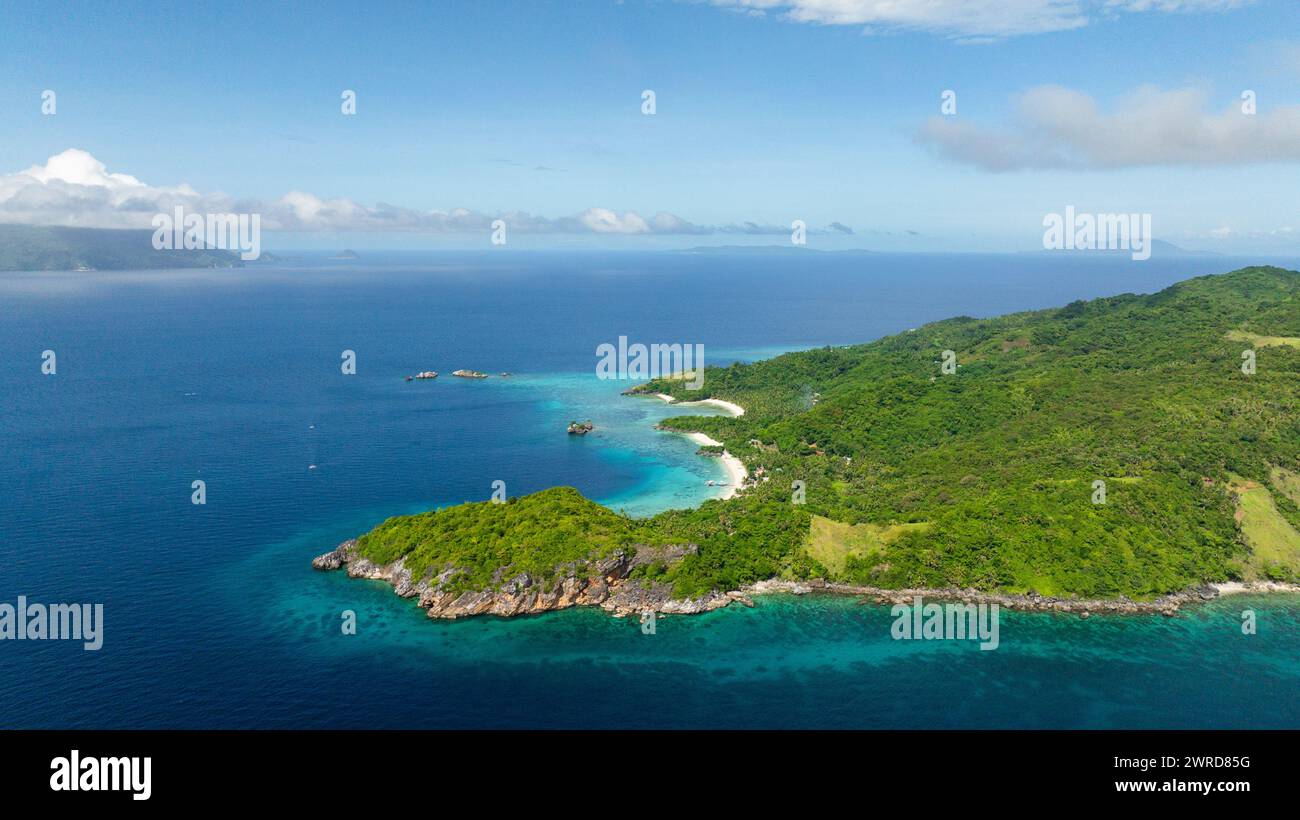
(34, 247)
(1159, 246)
(346, 254)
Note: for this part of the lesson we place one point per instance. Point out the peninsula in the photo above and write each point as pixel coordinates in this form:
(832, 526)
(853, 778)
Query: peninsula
(1124, 454)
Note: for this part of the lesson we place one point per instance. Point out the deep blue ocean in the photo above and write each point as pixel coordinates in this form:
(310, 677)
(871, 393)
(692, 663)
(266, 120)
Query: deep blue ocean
(214, 618)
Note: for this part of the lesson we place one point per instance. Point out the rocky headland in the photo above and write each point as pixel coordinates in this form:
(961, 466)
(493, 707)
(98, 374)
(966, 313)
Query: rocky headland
(602, 582)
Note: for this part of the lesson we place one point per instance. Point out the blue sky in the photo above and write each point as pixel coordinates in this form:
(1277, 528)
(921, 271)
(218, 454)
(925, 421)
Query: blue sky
(763, 116)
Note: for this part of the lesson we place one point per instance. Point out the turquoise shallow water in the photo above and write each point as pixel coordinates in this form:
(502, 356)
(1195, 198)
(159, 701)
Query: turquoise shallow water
(667, 474)
(214, 617)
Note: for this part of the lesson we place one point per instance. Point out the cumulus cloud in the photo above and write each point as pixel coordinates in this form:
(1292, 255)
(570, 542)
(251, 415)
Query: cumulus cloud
(978, 19)
(1055, 127)
(75, 189)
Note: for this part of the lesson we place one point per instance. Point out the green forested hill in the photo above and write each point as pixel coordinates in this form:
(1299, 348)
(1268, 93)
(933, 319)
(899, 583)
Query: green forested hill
(533, 534)
(38, 248)
(985, 478)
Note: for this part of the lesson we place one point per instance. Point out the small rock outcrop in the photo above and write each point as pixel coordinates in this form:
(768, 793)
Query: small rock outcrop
(337, 557)
(580, 428)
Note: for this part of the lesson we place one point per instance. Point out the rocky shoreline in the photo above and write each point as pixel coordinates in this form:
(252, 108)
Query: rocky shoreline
(605, 582)
(602, 582)
(1167, 605)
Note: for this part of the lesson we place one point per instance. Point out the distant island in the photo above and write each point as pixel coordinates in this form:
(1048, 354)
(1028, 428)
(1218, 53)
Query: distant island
(1125, 454)
(44, 248)
(346, 254)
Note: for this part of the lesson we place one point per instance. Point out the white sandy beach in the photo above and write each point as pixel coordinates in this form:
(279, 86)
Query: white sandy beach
(736, 472)
(730, 407)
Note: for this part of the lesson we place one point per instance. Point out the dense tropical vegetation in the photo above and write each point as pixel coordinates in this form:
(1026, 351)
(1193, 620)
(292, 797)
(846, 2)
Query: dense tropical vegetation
(50, 248)
(1110, 447)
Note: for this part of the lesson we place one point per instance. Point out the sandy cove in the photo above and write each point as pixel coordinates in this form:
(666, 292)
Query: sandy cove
(736, 472)
(730, 407)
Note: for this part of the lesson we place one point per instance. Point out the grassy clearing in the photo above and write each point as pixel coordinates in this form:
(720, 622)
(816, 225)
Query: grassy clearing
(832, 542)
(1273, 542)
(1263, 341)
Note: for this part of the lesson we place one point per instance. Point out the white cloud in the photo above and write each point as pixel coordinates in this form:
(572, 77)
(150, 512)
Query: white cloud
(1055, 127)
(603, 220)
(967, 18)
(75, 189)
(1177, 5)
